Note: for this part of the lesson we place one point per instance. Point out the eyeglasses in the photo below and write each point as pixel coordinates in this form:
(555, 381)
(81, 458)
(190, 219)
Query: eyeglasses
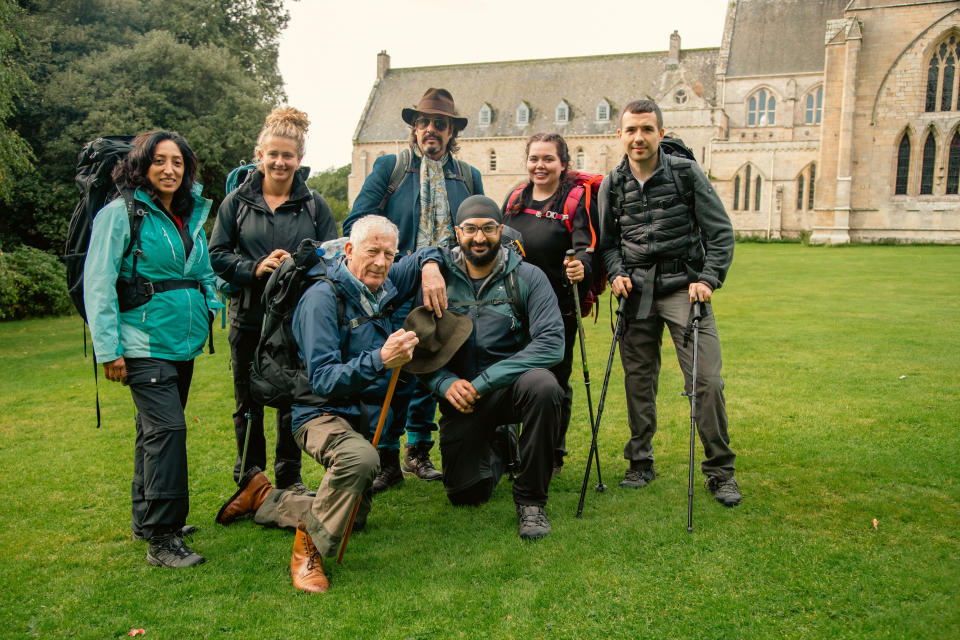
(489, 229)
(440, 124)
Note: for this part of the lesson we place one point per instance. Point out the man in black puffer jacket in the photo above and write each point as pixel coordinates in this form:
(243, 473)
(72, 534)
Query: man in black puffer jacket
(666, 241)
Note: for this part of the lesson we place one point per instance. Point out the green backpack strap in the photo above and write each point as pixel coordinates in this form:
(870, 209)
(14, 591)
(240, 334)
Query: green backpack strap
(397, 176)
(466, 174)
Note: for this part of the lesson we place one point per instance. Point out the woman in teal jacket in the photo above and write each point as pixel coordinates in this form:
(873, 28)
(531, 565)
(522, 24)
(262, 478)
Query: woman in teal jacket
(149, 304)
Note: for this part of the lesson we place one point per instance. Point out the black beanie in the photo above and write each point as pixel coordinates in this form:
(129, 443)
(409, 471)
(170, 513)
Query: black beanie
(478, 207)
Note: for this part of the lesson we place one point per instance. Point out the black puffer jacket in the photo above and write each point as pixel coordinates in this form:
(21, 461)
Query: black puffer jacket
(641, 227)
(246, 232)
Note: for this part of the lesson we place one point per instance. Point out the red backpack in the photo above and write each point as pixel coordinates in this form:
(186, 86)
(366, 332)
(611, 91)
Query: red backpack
(587, 186)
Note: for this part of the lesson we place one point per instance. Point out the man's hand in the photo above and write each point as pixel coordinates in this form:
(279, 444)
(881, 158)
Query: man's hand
(115, 370)
(462, 396)
(398, 349)
(700, 291)
(434, 288)
(621, 286)
(574, 270)
(269, 264)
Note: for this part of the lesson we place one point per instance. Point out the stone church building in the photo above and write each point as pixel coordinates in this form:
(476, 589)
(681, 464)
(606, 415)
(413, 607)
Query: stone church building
(834, 118)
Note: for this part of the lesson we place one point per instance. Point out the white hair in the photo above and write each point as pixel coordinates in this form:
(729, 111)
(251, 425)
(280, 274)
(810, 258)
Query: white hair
(372, 224)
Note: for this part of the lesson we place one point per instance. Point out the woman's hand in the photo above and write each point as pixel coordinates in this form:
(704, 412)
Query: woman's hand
(269, 264)
(116, 370)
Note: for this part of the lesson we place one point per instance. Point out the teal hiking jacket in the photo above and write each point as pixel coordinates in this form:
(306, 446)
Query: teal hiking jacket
(172, 325)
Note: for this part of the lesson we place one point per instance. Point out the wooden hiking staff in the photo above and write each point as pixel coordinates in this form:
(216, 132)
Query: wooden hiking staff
(376, 438)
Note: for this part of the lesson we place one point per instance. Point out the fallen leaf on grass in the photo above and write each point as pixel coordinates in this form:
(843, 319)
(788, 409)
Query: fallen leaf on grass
(196, 419)
(875, 524)
(137, 632)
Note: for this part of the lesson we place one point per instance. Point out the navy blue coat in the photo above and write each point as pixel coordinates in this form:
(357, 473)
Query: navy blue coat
(403, 208)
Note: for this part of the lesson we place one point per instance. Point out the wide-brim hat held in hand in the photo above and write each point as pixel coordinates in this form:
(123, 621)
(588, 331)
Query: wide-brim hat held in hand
(439, 338)
(435, 102)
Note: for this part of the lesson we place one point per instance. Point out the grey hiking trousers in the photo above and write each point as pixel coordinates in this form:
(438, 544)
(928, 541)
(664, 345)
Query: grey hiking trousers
(640, 356)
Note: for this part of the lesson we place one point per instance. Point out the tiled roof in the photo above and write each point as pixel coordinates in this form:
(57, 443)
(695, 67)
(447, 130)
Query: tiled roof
(780, 36)
(542, 84)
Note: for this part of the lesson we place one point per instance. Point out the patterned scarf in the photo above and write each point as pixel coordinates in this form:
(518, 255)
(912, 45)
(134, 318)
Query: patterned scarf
(436, 224)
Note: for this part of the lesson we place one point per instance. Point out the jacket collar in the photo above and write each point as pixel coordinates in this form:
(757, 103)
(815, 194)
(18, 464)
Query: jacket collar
(201, 207)
(358, 292)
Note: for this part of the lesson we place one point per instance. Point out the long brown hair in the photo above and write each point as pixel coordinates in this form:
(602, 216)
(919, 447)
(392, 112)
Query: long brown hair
(566, 180)
(132, 170)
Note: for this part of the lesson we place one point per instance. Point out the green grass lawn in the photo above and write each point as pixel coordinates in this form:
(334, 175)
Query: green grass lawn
(841, 369)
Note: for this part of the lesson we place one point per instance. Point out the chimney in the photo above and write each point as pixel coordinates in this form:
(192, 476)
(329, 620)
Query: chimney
(673, 58)
(383, 64)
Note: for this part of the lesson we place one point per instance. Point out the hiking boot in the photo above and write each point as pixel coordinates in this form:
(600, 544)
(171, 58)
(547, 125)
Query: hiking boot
(169, 550)
(390, 473)
(306, 565)
(416, 460)
(298, 489)
(254, 487)
(185, 531)
(637, 477)
(532, 522)
(726, 491)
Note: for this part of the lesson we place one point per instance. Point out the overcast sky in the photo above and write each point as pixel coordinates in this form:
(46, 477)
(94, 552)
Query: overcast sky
(328, 54)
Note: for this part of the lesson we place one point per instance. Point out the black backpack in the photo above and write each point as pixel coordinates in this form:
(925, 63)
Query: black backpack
(278, 376)
(94, 179)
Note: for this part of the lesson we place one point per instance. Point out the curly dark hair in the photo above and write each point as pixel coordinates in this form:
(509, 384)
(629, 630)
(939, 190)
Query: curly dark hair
(567, 181)
(132, 170)
(452, 146)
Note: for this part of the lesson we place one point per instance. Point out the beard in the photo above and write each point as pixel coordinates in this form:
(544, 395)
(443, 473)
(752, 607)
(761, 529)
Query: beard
(480, 260)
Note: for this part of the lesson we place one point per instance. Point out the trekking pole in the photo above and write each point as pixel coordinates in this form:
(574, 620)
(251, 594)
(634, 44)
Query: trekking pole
(603, 395)
(246, 442)
(586, 373)
(376, 439)
(695, 323)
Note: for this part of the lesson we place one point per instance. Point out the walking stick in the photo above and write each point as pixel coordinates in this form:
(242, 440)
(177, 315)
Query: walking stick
(586, 372)
(376, 438)
(246, 442)
(695, 322)
(603, 395)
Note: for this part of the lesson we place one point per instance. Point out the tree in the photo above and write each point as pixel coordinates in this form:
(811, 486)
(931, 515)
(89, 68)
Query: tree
(206, 68)
(332, 185)
(16, 156)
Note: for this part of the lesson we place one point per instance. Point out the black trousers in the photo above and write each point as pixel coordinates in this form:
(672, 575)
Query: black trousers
(562, 371)
(472, 465)
(286, 461)
(159, 492)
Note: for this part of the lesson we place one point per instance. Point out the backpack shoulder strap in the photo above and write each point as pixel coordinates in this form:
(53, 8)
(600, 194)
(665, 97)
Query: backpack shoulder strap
(683, 180)
(570, 204)
(311, 207)
(397, 176)
(515, 196)
(519, 308)
(466, 173)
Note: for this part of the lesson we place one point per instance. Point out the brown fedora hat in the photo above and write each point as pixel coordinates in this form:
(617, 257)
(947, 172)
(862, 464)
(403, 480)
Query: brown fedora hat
(435, 102)
(439, 338)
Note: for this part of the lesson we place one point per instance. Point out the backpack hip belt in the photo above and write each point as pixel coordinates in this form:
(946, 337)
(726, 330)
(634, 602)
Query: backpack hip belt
(137, 291)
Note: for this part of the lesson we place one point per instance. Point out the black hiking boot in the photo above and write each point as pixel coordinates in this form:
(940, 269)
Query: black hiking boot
(299, 489)
(169, 550)
(726, 491)
(185, 531)
(390, 473)
(532, 522)
(416, 460)
(638, 476)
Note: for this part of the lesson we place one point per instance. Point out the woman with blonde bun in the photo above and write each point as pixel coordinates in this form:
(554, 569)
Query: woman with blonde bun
(260, 223)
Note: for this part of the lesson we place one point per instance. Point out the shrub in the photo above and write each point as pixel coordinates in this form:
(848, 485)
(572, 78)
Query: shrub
(32, 283)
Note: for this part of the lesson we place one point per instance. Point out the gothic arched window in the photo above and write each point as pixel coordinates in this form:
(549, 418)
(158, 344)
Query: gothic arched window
(761, 109)
(736, 193)
(814, 106)
(942, 76)
(903, 166)
(756, 194)
(800, 192)
(811, 185)
(746, 190)
(581, 159)
(807, 178)
(953, 165)
(928, 159)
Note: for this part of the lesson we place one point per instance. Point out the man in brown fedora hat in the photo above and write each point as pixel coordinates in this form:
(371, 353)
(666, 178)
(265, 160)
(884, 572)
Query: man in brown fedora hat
(345, 334)
(418, 189)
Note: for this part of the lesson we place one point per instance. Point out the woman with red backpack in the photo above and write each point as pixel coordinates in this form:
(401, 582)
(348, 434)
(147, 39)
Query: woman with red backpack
(554, 212)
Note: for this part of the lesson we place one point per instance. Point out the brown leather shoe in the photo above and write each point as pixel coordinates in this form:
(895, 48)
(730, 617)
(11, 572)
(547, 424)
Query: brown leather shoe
(306, 565)
(254, 487)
